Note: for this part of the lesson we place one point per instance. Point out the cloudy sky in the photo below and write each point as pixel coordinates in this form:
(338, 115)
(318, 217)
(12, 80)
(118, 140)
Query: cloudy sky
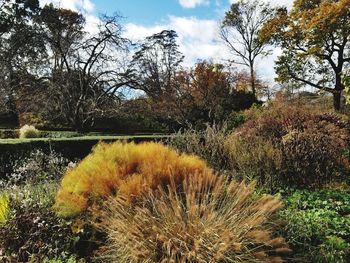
(195, 21)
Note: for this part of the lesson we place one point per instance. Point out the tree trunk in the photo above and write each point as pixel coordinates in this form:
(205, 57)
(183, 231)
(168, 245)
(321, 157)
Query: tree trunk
(252, 80)
(337, 95)
(337, 101)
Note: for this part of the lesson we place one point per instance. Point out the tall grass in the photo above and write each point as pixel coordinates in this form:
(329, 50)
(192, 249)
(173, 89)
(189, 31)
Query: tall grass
(206, 221)
(4, 208)
(208, 144)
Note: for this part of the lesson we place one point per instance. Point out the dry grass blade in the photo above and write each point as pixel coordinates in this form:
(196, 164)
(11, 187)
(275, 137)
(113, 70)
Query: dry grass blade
(206, 221)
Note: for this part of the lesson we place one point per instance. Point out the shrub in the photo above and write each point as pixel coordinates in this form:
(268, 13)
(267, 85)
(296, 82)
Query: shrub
(122, 168)
(32, 229)
(235, 119)
(28, 131)
(204, 222)
(253, 112)
(318, 228)
(312, 157)
(302, 146)
(8, 133)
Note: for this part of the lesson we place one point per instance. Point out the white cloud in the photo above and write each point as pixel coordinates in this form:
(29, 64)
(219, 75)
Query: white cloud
(199, 40)
(193, 3)
(137, 33)
(77, 5)
(287, 3)
(92, 23)
(197, 37)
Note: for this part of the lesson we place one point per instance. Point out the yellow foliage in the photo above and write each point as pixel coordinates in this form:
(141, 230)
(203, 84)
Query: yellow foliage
(126, 169)
(4, 208)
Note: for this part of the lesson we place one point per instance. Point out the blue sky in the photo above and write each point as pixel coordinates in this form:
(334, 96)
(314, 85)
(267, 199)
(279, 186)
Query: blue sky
(195, 21)
(150, 12)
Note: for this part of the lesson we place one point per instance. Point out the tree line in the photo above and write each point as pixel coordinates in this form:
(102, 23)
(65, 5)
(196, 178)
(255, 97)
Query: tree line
(50, 64)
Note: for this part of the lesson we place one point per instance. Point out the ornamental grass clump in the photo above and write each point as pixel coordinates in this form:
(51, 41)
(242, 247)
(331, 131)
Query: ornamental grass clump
(28, 131)
(206, 221)
(4, 208)
(126, 169)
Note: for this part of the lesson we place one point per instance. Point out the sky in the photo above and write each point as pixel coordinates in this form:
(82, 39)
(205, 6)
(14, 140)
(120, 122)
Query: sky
(195, 21)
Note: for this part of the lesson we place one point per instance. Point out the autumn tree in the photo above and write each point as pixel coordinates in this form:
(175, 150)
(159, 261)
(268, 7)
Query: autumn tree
(314, 37)
(240, 31)
(205, 94)
(62, 30)
(211, 92)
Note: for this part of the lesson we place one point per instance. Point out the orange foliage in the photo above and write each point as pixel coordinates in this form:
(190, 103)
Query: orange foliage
(126, 169)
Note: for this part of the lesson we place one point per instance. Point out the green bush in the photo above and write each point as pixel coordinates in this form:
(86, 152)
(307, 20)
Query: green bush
(318, 225)
(235, 119)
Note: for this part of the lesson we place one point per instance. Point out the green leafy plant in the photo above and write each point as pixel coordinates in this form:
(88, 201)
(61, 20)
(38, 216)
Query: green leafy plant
(318, 225)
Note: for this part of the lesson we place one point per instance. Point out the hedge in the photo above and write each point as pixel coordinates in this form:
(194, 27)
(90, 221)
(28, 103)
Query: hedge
(12, 150)
(9, 133)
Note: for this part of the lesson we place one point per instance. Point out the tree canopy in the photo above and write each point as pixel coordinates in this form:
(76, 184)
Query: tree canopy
(314, 37)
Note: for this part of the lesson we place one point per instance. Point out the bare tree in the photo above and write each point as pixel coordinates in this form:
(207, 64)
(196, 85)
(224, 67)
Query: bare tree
(87, 75)
(155, 64)
(240, 32)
